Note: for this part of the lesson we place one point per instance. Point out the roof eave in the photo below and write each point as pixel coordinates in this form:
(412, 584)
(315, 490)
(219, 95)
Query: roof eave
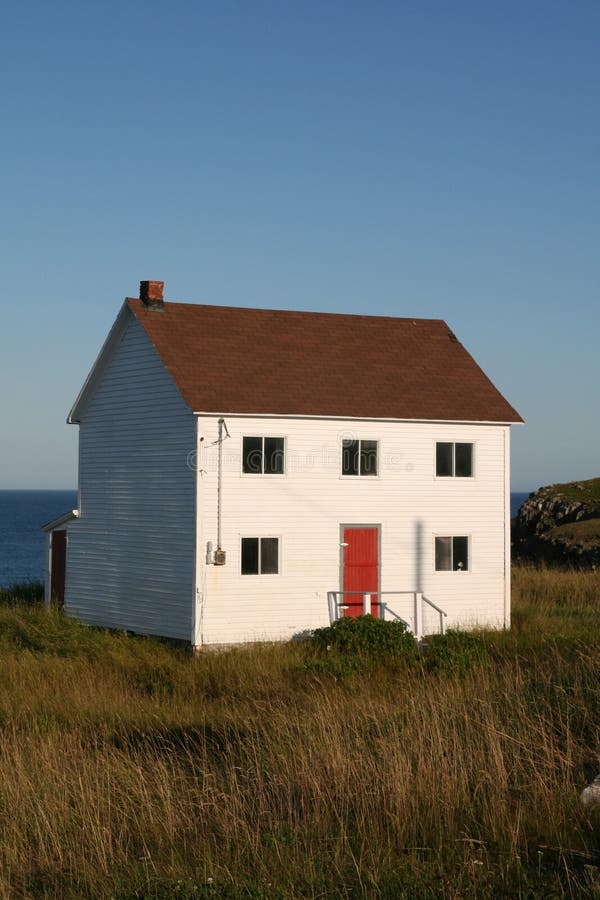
(259, 415)
(112, 339)
(62, 520)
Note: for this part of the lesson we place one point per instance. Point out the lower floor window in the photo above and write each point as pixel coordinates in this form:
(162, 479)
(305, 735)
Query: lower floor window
(452, 554)
(260, 556)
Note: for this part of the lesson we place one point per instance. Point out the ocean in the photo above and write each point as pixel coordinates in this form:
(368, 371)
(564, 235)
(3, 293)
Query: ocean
(516, 502)
(23, 544)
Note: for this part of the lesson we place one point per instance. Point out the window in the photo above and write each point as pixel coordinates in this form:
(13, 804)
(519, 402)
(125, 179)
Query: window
(263, 455)
(452, 554)
(453, 460)
(260, 556)
(359, 457)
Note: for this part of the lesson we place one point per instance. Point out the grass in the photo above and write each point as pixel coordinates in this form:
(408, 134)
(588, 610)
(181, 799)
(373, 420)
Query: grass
(586, 533)
(130, 769)
(587, 491)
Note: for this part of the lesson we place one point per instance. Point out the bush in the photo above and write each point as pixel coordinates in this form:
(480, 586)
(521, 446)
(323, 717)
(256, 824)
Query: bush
(454, 653)
(366, 637)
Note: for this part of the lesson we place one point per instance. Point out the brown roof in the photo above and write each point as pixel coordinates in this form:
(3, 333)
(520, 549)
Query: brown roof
(261, 361)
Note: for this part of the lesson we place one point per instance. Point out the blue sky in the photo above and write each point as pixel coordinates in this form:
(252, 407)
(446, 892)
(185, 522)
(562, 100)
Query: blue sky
(426, 159)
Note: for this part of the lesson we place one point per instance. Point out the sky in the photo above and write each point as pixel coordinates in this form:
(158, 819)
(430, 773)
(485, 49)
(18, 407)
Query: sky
(422, 159)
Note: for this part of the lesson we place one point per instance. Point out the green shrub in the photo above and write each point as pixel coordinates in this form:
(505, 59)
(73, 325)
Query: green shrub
(338, 665)
(454, 653)
(366, 637)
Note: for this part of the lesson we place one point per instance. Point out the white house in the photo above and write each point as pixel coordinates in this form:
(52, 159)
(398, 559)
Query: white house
(249, 474)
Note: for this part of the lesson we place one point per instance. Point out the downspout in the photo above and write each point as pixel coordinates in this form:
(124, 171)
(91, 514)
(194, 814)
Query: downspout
(219, 557)
(219, 481)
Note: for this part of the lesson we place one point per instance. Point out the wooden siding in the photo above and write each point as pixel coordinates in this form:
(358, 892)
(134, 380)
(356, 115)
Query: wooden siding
(306, 506)
(130, 559)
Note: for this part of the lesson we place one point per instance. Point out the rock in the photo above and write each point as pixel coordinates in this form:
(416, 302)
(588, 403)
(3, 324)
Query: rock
(590, 795)
(560, 524)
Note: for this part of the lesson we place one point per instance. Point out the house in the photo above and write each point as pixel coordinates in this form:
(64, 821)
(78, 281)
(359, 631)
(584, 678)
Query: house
(251, 474)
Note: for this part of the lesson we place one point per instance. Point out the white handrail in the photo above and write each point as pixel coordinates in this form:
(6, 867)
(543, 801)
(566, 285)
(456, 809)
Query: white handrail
(396, 616)
(441, 612)
(335, 607)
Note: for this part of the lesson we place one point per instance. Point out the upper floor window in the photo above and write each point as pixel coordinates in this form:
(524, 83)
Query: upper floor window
(453, 460)
(263, 455)
(260, 556)
(359, 457)
(452, 554)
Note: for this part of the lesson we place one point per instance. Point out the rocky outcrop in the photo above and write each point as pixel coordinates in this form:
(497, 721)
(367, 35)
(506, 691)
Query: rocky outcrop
(560, 524)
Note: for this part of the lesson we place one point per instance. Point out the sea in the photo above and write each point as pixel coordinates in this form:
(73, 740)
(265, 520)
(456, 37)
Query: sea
(23, 543)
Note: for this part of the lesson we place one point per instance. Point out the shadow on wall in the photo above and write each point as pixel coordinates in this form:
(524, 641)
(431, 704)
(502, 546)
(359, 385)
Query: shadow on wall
(419, 556)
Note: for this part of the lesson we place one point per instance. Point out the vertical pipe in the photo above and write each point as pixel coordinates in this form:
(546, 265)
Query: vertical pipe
(366, 604)
(219, 480)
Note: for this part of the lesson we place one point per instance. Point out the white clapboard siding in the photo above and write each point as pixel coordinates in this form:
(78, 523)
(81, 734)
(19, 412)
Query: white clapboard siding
(130, 559)
(306, 506)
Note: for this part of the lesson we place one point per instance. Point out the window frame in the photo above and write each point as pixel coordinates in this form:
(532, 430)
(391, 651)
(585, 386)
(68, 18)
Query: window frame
(262, 473)
(360, 441)
(453, 476)
(452, 570)
(261, 537)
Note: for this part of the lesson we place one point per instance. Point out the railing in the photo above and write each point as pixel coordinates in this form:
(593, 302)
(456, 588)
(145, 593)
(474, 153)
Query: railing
(439, 611)
(337, 607)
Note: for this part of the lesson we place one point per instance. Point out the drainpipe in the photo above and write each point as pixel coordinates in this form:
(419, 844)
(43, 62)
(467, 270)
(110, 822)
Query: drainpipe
(219, 558)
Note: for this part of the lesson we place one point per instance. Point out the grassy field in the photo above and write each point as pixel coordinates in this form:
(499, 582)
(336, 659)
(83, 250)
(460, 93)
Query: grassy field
(130, 769)
(587, 491)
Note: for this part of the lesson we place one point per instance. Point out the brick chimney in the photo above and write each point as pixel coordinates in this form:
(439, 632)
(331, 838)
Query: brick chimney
(151, 294)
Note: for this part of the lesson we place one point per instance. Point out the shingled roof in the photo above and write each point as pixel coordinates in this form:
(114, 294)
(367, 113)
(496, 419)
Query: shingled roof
(275, 362)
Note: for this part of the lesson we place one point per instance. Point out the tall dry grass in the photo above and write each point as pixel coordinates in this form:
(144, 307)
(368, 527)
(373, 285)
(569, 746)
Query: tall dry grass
(129, 769)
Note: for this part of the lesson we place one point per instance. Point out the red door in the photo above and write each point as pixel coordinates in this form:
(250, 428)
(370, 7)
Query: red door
(361, 569)
(58, 560)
